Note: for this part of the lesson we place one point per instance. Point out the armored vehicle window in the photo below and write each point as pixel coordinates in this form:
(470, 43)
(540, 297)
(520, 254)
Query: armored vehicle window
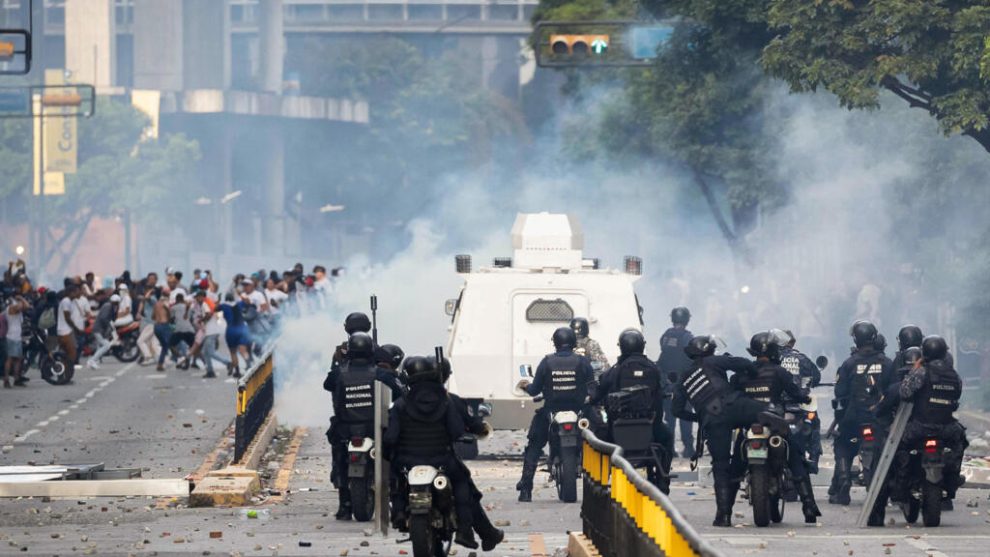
(549, 311)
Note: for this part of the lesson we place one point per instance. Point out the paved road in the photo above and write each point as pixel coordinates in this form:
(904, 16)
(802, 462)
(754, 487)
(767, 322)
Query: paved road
(131, 416)
(121, 415)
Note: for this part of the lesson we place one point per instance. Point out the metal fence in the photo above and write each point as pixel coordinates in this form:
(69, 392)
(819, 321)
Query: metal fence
(624, 515)
(255, 399)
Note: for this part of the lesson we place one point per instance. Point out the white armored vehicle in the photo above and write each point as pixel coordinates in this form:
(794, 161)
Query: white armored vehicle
(506, 313)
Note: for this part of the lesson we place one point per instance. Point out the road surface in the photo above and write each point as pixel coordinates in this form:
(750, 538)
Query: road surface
(131, 416)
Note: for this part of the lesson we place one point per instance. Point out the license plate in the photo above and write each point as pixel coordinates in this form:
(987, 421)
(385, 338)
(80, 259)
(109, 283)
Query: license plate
(569, 441)
(757, 453)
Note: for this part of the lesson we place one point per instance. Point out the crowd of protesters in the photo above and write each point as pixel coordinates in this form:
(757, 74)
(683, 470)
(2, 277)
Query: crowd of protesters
(182, 321)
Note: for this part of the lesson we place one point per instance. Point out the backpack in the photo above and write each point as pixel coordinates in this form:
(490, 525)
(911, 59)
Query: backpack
(47, 319)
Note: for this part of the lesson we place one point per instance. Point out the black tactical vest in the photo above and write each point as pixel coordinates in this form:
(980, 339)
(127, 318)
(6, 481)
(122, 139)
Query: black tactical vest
(866, 381)
(421, 440)
(792, 364)
(562, 388)
(938, 398)
(637, 373)
(760, 385)
(355, 396)
(703, 385)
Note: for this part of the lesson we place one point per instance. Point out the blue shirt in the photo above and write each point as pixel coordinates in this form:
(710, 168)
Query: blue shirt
(232, 314)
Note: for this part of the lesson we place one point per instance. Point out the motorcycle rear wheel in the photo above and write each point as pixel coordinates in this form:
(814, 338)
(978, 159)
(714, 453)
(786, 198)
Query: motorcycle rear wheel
(931, 504)
(362, 499)
(567, 478)
(56, 370)
(759, 495)
(127, 351)
(421, 535)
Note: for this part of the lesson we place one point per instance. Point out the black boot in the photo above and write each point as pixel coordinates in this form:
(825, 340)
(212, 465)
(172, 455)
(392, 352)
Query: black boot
(525, 485)
(725, 497)
(489, 534)
(842, 483)
(344, 508)
(465, 528)
(808, 505)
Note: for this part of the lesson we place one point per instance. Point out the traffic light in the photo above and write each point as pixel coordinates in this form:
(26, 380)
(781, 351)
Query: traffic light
(599, 43)
(579, 45)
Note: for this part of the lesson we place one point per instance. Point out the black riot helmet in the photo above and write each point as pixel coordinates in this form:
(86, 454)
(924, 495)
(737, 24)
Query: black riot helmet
(680, 316)
(700, 347)
(864, 333)
(357, 322)
(934, 348)
(360, 345)
(631, 341)
(580, 327)
(443, 367)
(912, 355)
(419, 369)
(764, 345)
(564, 338)
(909, 335)
(389, 355)
(880, 343)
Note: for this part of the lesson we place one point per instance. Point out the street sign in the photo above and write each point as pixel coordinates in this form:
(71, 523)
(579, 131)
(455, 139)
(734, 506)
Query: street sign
(604, 43)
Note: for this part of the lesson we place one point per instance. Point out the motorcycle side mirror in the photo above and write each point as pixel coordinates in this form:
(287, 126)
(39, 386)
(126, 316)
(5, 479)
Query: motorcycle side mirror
(529, 370)
(821, 362)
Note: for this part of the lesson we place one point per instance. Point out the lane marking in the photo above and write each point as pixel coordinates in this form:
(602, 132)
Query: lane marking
(537, 547)
(26, 434)
(928, 548)
(66, 411)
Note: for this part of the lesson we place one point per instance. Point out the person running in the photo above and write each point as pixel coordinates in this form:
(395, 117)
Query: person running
(163, 327)
(237, 336)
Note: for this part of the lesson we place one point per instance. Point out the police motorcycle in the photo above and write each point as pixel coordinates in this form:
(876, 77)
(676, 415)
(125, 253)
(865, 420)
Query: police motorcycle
(430, 503)
(764, 452)
(804, 422)
(565, 452)
(361, 474)
(926, 488)
(632, 429)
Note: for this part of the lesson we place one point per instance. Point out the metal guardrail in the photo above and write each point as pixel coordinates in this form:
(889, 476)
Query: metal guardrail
(255, 399)
(624, 515)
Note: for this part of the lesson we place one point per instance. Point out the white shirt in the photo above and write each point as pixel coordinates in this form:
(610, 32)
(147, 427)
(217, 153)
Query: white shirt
(175, 294)
(85, 306)
(258, 299)
(14, 321)
(216, 325)
(275, 296)
(125, 303)
(75, 313)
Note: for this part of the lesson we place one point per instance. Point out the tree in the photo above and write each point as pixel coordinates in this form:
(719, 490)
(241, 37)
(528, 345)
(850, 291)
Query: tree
(928, 53)
(117, 173)
(700, 106)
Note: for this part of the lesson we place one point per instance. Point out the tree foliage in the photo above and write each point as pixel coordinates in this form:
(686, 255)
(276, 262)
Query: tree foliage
(927, 52)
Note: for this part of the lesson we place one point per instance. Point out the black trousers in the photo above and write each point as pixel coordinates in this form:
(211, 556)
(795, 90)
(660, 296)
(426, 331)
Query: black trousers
(718, 427)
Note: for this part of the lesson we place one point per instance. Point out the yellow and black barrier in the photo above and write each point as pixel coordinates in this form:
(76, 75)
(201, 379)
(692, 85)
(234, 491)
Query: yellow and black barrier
(624, 515)
(255, 399)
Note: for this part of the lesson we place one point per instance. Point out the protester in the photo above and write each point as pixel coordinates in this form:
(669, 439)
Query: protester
(13, 317)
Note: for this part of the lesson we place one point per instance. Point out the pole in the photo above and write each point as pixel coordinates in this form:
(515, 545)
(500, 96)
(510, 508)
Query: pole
(383, 400)
(374, 319)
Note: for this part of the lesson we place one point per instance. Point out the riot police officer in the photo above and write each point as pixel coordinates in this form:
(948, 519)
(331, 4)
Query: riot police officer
(768, 382)
(562, 378)
(474, 424)
(805, 375)
(910, 336)
(857, 391)
(634, 369)
(588, 347)
(673, 362)
(353, 388)
(719, 409)
(422, 429)
(935, 388)
(356, 322)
